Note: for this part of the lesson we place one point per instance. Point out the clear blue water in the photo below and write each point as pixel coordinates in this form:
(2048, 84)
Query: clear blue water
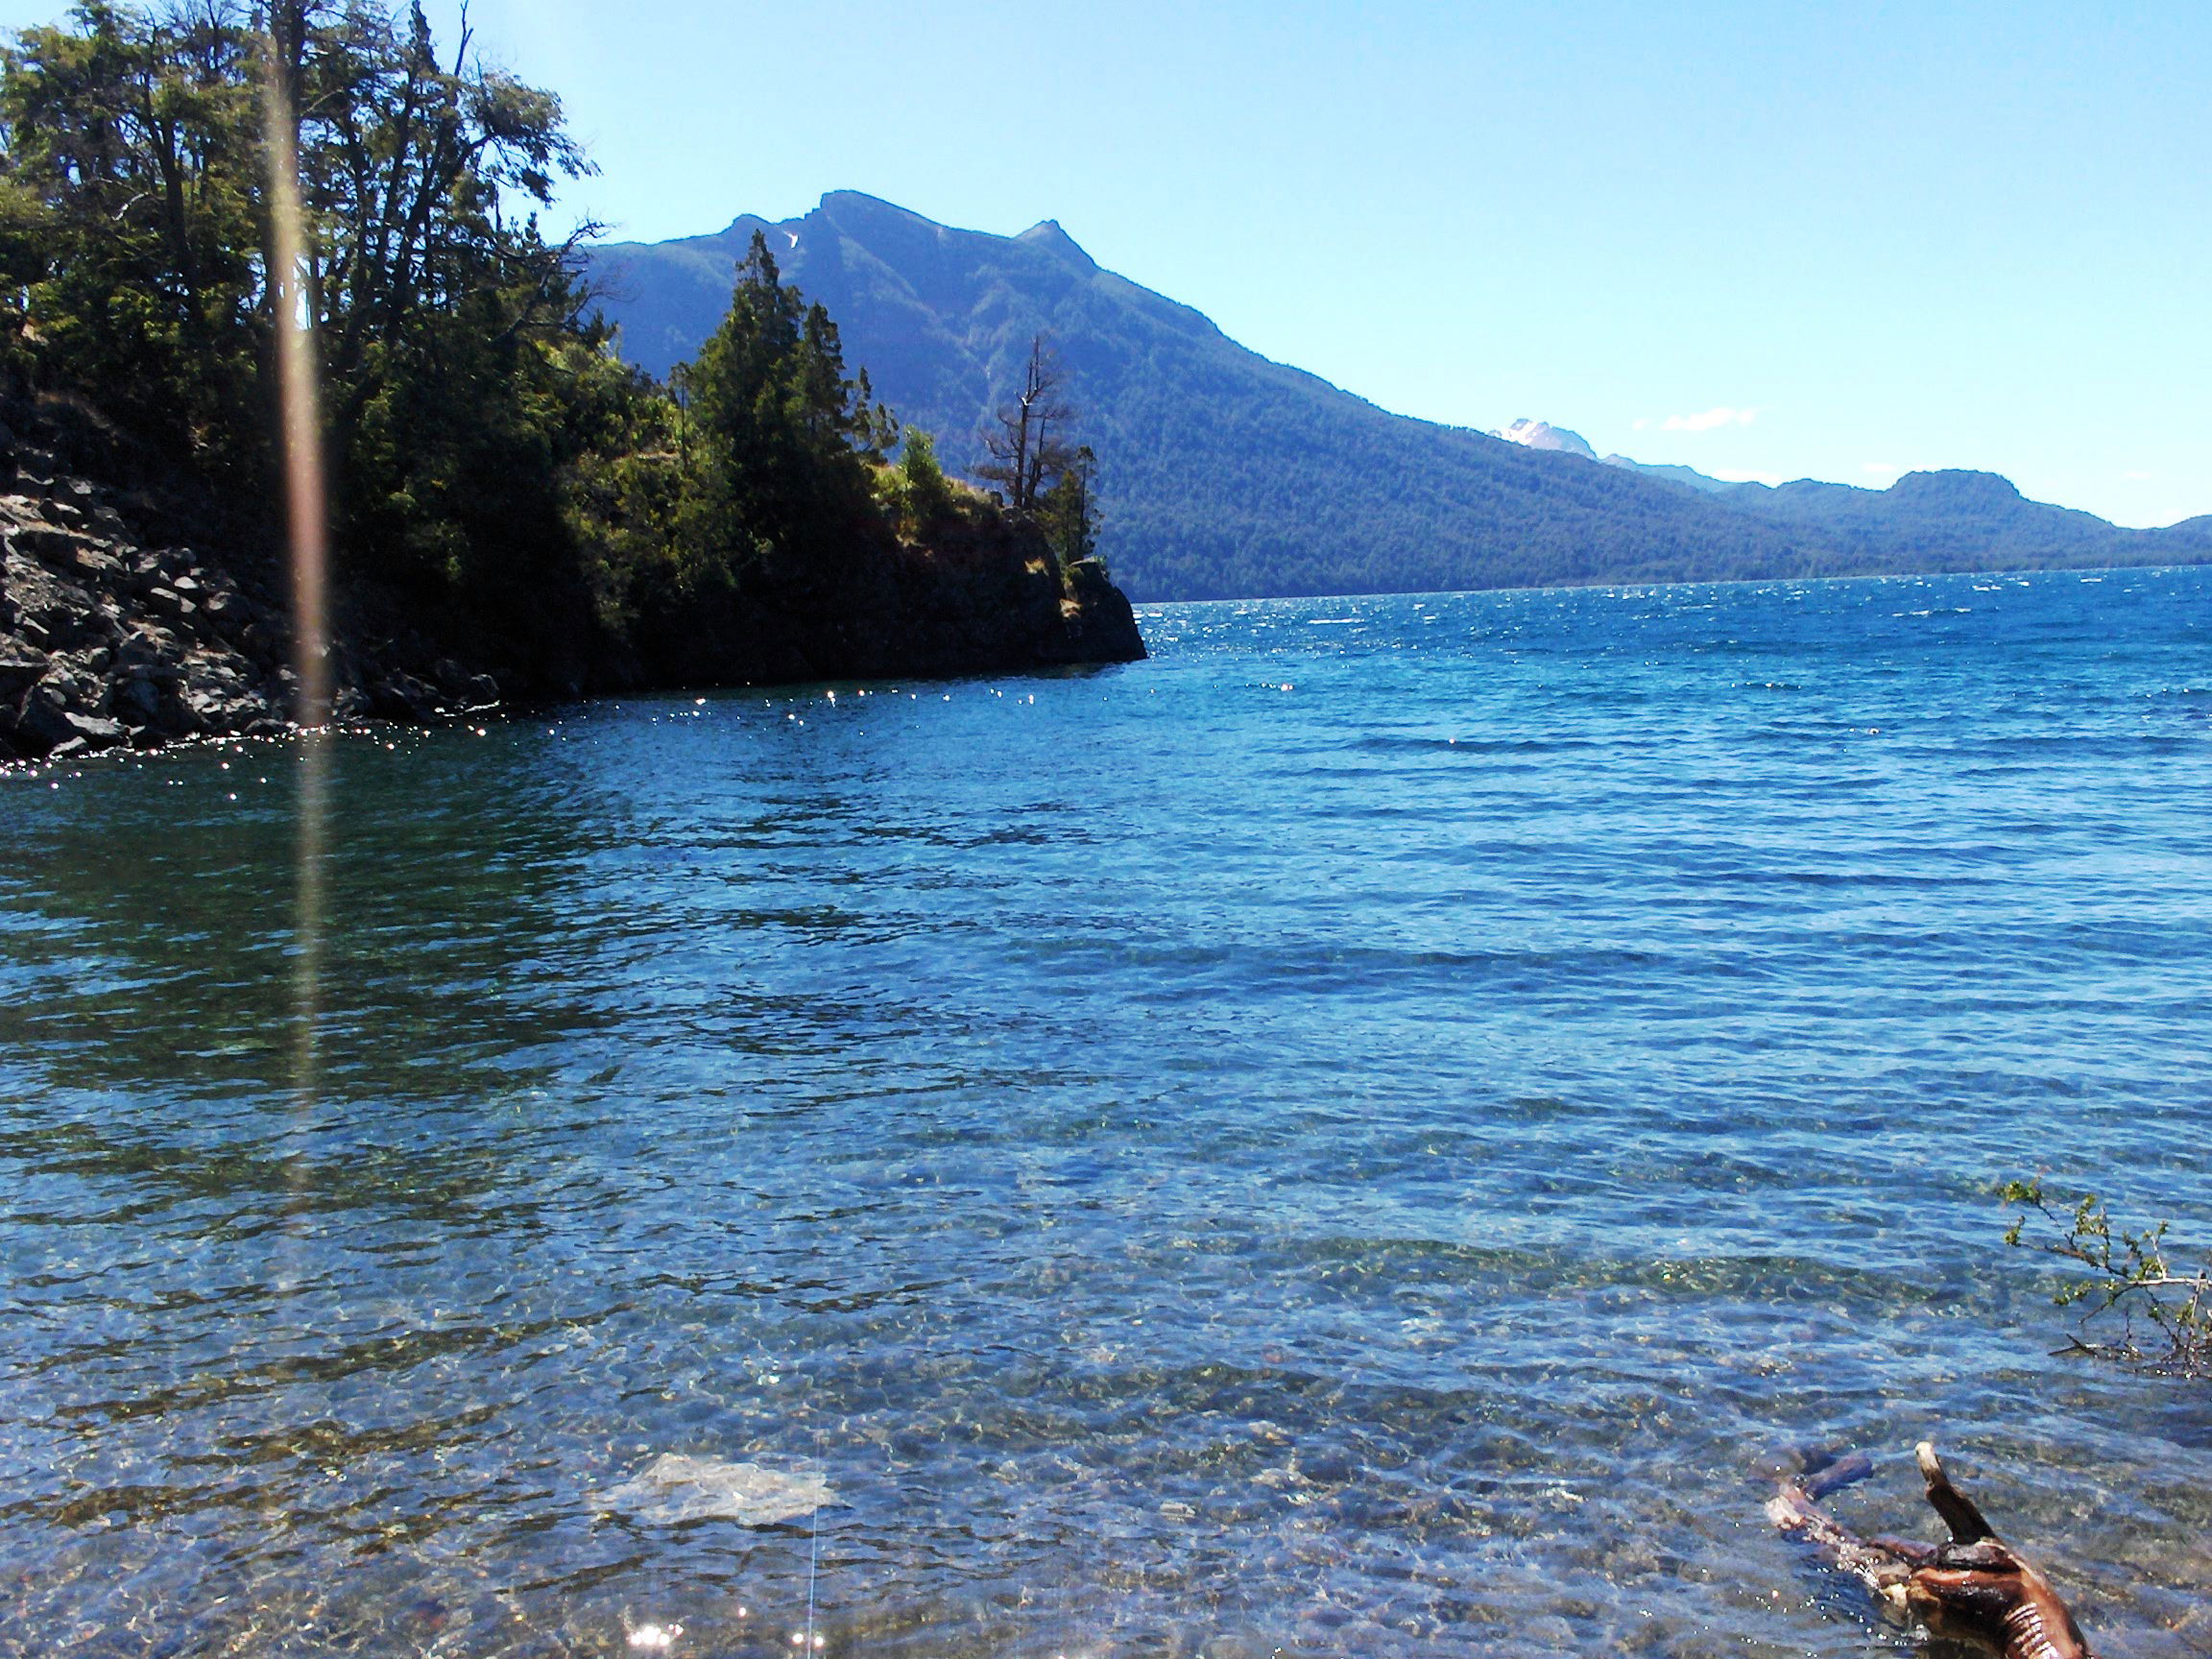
(1358, 1136)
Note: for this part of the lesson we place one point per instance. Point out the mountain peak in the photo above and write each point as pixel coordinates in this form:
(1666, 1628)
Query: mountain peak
(1227, 476)
(1543, 434)
(1956, 488)
(1047, 235)
(856, 208)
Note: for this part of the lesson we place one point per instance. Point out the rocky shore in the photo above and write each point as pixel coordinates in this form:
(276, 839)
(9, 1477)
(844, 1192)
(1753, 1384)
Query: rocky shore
(106, 642)
(112, 638)
(113, 635)
(981, 599)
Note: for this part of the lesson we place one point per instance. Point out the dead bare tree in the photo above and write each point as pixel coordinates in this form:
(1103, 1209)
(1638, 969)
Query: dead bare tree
(1024, 440)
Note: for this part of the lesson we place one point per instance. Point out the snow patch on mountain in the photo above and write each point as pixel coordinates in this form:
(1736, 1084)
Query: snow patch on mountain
(1543, 434)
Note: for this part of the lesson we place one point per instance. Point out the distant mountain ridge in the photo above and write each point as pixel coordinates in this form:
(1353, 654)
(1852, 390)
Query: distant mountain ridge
(1946, 517)
(1543, 434)
(1225, 474)
(1957, 513)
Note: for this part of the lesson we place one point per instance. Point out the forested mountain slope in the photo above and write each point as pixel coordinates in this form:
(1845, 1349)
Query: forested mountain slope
(1224, 474)
(1947, 520)
(1227, 476)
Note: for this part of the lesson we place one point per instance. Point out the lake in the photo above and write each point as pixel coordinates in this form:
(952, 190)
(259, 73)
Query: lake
(1362, 1135)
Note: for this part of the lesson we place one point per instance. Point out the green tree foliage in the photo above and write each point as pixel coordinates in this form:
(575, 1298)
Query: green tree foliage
(459, 377)
(779, 440)
(1068, 508)
(2120, 1278)
(499, 476)
(131, 231)
(918, 490)
(757, 482)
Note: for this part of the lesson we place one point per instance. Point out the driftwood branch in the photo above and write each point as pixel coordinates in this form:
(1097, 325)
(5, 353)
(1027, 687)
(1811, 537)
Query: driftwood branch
(1973, 1588)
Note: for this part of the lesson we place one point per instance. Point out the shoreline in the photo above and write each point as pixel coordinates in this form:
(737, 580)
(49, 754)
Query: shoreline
(114, 638)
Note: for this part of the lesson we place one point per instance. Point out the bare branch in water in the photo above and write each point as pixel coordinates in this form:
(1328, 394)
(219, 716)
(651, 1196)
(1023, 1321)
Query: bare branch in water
(2164, 1317)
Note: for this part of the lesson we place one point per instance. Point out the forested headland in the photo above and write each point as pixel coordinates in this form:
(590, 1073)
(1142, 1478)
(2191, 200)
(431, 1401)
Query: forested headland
(507, 497)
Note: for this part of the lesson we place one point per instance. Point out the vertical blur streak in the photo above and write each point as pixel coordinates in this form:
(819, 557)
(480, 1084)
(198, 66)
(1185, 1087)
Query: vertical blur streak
(293, 302)
(306, 498)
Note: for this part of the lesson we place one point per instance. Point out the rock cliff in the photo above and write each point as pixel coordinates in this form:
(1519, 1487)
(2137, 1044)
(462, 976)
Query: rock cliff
(977, 599)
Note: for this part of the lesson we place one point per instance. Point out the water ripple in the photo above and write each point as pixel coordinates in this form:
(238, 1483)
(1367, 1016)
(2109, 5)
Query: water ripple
(1358, 1134)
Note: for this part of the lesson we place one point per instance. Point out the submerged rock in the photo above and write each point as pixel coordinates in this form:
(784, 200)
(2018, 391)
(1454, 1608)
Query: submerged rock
(674, 1488)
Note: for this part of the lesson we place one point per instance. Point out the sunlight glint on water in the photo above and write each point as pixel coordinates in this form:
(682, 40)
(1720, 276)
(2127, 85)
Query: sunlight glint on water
(1190, 1165)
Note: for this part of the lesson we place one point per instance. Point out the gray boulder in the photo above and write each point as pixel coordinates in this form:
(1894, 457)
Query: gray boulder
(20, 669)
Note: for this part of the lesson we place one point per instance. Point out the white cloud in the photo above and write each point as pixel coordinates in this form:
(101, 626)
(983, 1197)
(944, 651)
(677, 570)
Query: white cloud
(2136, 477)
(1882, 470)
(1643, 424)
(1711, 420)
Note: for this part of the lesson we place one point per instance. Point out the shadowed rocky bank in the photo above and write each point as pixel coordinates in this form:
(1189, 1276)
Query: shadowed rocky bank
(129, 620)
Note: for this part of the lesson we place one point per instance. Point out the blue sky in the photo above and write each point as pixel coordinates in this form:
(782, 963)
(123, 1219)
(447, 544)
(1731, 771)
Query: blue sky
(1773, 240)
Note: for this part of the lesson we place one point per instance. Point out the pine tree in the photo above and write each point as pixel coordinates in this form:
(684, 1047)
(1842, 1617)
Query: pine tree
(778, 436)
(1069, 509)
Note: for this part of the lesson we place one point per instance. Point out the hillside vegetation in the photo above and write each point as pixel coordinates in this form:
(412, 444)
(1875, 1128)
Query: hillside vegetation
(505, 490)
(1230, 475)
